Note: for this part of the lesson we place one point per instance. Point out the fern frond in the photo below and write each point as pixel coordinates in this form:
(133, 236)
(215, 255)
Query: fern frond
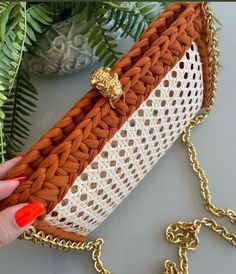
(38, 16)
(3, 6)
(100, 37)
(132, 18)
(19, 105)
(106, 49)
(12, 39)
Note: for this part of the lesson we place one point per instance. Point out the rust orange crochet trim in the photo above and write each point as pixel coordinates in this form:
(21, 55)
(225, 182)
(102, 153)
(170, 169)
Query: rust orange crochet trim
(64, 151)
(58, 232)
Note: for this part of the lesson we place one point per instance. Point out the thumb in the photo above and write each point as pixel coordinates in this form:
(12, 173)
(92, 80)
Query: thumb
(16, 219)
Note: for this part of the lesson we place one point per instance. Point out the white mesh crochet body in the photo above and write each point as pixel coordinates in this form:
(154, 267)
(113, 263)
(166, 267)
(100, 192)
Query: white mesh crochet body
(134, 149)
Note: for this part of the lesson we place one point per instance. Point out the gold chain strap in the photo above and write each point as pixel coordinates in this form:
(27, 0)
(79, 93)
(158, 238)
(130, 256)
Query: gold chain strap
(39, 237)
(183, 233)
(214, 54)
(186, 233)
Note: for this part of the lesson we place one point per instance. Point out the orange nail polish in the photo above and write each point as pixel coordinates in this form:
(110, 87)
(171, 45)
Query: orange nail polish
(28, 213)
(20, 155)
(21, 178)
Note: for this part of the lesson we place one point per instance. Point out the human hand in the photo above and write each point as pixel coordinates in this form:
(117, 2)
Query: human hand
(16, 219)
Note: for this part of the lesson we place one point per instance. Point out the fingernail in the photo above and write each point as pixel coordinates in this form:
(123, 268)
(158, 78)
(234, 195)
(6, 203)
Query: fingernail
(28, 213)
(21, 178)
(20, 155)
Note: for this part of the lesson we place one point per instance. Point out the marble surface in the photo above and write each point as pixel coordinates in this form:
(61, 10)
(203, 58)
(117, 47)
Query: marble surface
(134, 233)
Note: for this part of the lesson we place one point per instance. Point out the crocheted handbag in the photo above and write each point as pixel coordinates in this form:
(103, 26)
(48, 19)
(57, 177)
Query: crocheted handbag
(91, 159)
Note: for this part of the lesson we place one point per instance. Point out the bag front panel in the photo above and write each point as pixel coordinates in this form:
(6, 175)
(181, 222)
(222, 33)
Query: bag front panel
(134, 149)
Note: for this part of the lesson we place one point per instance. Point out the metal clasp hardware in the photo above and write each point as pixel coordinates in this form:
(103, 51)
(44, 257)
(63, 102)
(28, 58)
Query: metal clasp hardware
(108, 84)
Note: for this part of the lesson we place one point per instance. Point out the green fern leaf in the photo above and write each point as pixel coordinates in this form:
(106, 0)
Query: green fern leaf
(12, 39)
(20, 103)
(11, 42)
(38, 16)
(132, 18)
(100, 37)
(3, 6)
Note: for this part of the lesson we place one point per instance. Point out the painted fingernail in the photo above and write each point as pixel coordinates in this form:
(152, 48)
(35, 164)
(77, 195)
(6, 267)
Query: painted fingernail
(28, 213)
(20, 155)
(21, 178)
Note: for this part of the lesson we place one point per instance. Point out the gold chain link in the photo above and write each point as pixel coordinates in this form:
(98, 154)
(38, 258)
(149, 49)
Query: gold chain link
(39, 237)
(183, 233)
(214, 54)
(186, 233)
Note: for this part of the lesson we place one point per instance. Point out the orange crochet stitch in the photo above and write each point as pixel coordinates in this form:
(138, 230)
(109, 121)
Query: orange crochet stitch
(63, 152)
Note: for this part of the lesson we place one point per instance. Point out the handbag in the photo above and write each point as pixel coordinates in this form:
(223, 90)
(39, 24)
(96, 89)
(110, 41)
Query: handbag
(83, 167)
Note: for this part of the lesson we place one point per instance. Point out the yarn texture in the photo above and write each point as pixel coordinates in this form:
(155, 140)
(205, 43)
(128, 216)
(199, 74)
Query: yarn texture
(131, 153)
(55, 161)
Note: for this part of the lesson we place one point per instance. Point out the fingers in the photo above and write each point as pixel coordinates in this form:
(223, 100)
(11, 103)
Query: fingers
(9, 164)
(7, 187)
(15, 220)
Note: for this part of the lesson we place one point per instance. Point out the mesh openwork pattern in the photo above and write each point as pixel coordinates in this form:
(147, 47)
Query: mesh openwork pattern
(134, 149)
(65, 150)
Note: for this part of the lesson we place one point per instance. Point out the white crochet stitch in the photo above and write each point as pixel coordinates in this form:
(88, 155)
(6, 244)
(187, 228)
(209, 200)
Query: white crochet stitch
(134, 149)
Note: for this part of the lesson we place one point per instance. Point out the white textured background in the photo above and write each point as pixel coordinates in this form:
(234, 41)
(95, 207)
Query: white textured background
(134, 233)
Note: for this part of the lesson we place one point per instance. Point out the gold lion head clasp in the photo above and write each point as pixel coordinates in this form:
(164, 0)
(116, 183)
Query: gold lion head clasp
(108, 84)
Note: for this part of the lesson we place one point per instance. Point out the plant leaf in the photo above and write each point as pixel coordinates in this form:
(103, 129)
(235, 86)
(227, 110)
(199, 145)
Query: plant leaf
(20, 103)
(12, 39)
